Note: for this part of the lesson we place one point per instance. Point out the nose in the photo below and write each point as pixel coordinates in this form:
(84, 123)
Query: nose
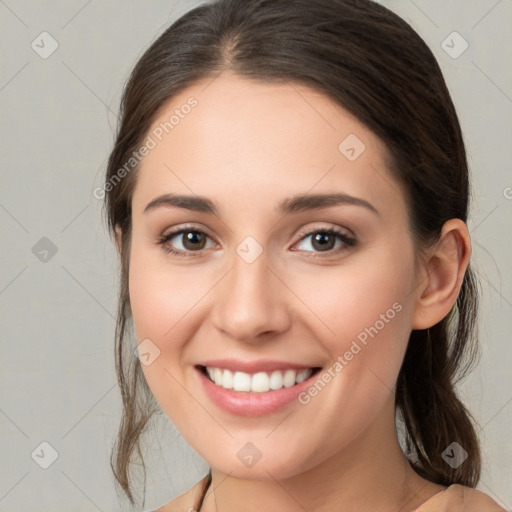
(250, 302)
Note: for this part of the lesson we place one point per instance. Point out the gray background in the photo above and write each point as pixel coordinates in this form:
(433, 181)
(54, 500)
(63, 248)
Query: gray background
(58, 116)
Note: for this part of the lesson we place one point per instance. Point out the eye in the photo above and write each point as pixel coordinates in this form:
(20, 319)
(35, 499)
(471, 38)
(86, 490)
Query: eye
(195, 240)
(191, 240)
(324, 241)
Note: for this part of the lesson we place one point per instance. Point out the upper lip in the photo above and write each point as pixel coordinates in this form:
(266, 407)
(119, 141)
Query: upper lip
(262, 365)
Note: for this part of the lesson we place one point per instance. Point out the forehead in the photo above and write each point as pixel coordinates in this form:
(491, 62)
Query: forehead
(246, 142)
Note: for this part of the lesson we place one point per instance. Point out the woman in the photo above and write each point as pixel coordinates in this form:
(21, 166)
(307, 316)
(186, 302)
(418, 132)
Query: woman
(288, 192)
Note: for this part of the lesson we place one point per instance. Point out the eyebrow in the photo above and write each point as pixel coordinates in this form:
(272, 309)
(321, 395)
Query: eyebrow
(293, 204)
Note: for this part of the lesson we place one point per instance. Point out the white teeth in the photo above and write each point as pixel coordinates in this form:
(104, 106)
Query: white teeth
(241, 381)
(302, 375)
(260, 382)
(289, 378)
(227, 379)
(217, 376)
(276, 380)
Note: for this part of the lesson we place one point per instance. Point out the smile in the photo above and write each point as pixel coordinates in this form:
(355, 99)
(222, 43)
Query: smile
(260, 382)
(253, 388)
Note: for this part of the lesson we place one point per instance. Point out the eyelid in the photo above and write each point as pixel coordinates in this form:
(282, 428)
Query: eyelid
(333, 227)
(187, 227)
(301, 233)
(164, 238)
(343, 234)
(348, 240)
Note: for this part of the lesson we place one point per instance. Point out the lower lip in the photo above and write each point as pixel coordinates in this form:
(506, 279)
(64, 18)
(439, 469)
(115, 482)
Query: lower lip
(252, 404)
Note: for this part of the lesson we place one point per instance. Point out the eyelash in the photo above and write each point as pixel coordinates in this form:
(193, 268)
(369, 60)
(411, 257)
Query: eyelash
(347, 240)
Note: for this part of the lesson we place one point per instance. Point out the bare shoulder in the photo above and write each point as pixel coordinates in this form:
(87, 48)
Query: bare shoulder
(463, 499)
(187, 501)
(477, 501)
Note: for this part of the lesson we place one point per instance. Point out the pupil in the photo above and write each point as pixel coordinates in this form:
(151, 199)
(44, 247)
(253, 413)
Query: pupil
(322, 240)
(191, 236)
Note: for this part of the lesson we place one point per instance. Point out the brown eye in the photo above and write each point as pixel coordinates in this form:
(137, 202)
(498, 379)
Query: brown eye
(324, 241)
(193, 240)
(184, 241)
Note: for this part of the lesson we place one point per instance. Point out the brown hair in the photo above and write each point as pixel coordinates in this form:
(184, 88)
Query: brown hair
(370, 61)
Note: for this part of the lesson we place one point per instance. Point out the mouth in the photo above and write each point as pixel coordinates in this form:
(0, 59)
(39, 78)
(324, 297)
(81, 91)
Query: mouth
(257, 382)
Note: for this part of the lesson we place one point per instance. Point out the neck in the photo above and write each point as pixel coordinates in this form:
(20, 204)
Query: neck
(371, 474)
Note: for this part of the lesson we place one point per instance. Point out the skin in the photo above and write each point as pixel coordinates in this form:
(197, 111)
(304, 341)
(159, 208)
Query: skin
(247, 146)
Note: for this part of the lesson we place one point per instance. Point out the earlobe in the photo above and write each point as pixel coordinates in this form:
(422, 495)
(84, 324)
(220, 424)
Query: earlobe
(444, 272)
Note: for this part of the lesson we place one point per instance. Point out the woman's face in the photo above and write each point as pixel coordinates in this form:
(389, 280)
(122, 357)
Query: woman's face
(259, 287)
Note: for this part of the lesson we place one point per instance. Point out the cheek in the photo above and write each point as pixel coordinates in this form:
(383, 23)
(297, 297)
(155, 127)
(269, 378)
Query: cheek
(356, 299)
(162, 305)
(368, 312)
(160, 300)
(166, 305)
(159, 315)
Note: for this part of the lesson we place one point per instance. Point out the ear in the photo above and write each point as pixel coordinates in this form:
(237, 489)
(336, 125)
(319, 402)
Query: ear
(118, 238)
(442, 274)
